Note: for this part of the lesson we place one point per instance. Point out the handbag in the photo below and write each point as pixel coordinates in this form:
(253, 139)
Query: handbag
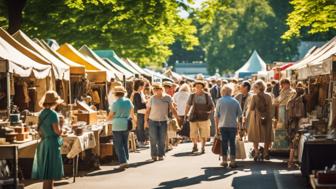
(129, 124)
(240, 149)
(216, 146)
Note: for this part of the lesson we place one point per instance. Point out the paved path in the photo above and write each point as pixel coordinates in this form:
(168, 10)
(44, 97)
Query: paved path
(180, 169)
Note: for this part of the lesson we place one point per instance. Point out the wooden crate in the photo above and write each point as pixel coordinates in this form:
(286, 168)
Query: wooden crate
(106, 149)
(89, 118)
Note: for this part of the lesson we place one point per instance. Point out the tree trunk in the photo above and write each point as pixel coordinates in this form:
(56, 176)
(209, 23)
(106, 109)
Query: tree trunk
(15, 8)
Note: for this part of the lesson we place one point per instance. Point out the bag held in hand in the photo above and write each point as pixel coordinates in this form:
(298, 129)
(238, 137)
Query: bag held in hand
(216, 146)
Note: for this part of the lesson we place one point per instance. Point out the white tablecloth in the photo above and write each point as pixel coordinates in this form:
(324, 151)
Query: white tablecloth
(73, 145)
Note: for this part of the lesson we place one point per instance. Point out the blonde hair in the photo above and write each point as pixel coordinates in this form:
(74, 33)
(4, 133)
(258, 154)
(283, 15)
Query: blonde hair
(185, 87)
(260, 84)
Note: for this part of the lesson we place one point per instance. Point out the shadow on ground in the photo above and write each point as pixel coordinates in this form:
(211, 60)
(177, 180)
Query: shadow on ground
(117, 170)
(262, 177)
(184, 154)
(210, 174)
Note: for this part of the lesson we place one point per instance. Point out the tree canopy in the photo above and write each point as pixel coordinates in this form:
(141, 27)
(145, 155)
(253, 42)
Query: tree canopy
(231, 30)
(318, 16)
(142, 30)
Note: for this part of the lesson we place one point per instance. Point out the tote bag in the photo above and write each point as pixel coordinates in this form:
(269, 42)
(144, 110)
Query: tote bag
(240, 149)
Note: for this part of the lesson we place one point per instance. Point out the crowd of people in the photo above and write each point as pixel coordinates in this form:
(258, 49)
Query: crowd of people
(201, 109)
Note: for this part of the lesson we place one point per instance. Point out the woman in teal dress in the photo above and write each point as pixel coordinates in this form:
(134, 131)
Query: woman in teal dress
(48, 164)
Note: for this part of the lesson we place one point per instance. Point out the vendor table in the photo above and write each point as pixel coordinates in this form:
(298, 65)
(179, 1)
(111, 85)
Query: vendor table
(317, 154)
(316, 185)
(12, 151)
(72, 147)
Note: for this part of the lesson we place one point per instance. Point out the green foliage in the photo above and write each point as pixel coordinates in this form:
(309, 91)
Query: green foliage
(231, 30)
(317, 15)
(141, 30)
(3, 14)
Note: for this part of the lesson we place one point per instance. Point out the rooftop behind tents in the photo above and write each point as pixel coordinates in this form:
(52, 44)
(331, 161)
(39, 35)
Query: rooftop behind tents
(62, 69)
(86, 51)
(75, 68)
(111, 55)
(253, 65)
(96, 72)
(127, 73)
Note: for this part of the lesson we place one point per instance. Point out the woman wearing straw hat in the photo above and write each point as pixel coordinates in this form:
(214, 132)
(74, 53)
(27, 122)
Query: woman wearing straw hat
(121, 111)
(157, 117)
(48, 164)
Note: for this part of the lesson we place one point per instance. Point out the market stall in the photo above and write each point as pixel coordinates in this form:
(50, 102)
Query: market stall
(316, 69)
(62, 70)
(30, 90)
(95, 85)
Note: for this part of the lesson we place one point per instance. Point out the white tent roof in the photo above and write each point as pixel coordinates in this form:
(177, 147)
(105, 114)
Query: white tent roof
(62, 70)
(253, 65)
(317, 61)
(19, 63)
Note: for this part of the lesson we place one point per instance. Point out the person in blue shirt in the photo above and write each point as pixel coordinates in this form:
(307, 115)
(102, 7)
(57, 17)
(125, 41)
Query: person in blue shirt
(227, 113)
(121, 111)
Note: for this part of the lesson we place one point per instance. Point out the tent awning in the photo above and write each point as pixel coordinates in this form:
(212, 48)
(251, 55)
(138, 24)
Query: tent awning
(14, 61)
(157, 75)
(71, 53)
(137, 67)
(127, 73)
(317, 61)
(111, 55)
(62, 70)
(86, 51)
(75, 68)
(24, 50)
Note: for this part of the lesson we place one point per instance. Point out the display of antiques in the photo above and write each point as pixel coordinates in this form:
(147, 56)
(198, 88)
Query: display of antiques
(85, 113)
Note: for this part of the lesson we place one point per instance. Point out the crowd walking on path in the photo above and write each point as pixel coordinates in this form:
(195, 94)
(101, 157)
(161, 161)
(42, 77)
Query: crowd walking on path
(194, 111)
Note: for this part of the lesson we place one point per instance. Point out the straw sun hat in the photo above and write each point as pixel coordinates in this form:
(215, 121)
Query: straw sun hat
(51, 98)
(167, 84)
(157, 86)
(119, 89)
(199, 82)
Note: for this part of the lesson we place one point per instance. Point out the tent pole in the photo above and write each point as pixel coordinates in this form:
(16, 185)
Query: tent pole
(8, 92)
(70, 94)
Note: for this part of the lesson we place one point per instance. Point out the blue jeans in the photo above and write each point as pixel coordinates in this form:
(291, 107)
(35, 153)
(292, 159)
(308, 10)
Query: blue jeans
(228, 136)
(157, 136)
(120, 141)
(140, 130)
(212, 127)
